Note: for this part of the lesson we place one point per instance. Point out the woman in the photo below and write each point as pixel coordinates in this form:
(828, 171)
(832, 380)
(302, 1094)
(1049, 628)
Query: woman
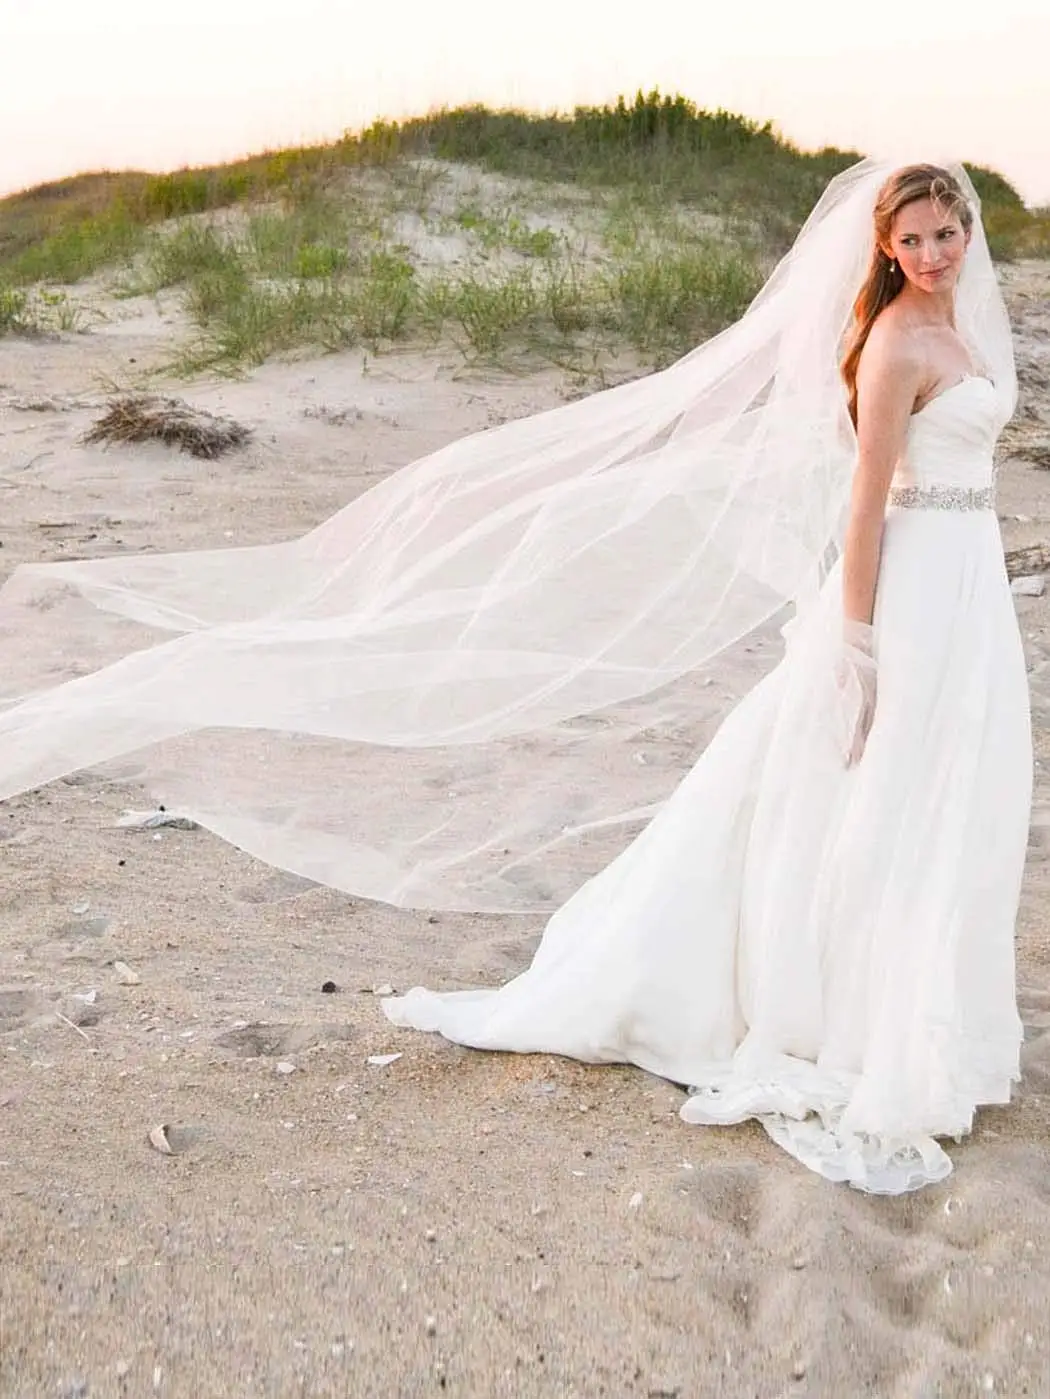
(816, 929)
(799, 932)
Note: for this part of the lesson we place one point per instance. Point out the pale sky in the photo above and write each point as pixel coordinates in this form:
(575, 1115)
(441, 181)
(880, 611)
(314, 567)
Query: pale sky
(93, 84)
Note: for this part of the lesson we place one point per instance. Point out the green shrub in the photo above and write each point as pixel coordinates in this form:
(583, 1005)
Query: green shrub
(1015, 232)
(13, 311)
(191, 251)
(218, 288)
(77, 250)
(664, 302)
(384, 299)
(246, 325)
(489, 309)
(319, 260)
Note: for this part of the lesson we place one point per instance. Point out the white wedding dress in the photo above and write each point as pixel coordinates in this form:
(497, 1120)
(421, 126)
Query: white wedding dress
(826, 949)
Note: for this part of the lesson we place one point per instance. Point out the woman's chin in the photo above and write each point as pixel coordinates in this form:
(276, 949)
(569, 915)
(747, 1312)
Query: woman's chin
(945, 281)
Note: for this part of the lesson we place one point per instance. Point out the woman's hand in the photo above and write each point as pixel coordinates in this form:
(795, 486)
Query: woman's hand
(855, 680)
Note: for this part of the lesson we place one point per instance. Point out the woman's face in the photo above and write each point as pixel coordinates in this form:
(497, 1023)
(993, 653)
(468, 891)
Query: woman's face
(929, 242)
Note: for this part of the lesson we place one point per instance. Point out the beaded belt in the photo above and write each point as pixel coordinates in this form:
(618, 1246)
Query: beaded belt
(943, 497)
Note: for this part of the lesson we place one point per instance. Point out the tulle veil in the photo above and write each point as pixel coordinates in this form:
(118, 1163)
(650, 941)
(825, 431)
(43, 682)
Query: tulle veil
(435, 698)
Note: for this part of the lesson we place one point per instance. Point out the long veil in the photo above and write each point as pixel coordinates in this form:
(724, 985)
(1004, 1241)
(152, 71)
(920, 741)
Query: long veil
(443, 695)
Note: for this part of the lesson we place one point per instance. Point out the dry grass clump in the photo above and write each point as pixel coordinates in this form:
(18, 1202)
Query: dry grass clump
(152, 418)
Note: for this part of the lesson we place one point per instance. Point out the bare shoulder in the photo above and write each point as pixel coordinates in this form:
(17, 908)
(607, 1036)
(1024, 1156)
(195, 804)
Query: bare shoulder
(893, 351)
(892, 369)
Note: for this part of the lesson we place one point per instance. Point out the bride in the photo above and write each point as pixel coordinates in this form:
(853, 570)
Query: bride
(815, 928)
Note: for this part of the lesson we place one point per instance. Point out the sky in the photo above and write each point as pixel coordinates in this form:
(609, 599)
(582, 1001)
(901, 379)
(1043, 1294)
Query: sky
(115, 84)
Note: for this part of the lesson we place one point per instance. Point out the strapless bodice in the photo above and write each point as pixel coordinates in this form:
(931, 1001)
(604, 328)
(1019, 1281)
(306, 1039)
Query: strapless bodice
(951, 442)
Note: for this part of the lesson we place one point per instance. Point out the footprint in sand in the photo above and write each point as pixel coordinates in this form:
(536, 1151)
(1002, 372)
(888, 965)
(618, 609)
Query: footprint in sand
(19, 1007)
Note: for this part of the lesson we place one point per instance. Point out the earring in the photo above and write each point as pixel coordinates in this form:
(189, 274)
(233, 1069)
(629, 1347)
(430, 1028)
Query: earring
(893, 266)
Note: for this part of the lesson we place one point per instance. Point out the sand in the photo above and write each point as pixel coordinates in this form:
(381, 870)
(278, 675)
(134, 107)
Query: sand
(479, 1225)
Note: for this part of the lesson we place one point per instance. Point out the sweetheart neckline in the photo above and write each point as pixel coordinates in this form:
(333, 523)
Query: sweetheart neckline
(951, 387)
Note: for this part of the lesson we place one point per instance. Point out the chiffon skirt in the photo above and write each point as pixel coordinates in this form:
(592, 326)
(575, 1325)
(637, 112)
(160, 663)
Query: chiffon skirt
(828, 949)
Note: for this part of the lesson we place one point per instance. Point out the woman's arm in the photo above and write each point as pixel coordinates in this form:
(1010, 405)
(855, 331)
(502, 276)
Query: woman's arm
(889, 378)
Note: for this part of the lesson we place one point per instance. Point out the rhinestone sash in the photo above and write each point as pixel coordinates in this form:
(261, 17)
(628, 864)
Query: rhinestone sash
(943, 497)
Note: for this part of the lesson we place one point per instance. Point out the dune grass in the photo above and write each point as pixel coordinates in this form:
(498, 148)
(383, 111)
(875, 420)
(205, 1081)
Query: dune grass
(517, 292)
(13, 309)
(1017, 232)
(646, 224)
(39, 310)
(658, 306)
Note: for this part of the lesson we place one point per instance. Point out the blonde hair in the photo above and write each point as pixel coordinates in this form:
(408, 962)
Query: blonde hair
(885, 278)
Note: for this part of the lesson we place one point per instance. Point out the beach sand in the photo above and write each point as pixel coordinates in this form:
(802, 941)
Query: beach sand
(473, 1224)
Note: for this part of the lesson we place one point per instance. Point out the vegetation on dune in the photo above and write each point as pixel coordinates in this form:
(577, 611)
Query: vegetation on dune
(669, 218)
(13, 304)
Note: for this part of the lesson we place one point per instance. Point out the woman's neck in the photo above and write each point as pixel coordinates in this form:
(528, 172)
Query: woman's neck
(929, 308)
